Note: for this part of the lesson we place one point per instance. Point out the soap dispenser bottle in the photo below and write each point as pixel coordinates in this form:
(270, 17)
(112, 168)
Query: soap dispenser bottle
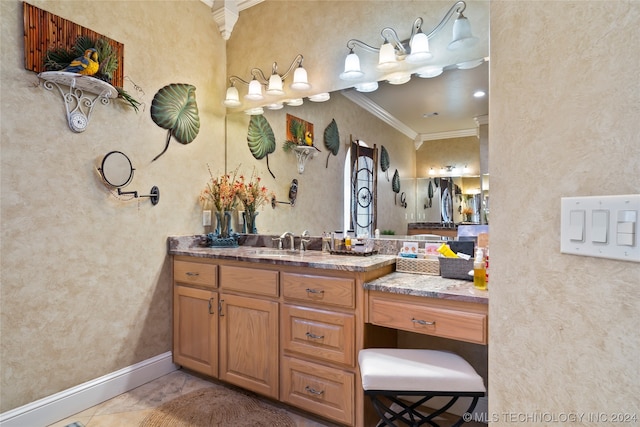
(479, 272)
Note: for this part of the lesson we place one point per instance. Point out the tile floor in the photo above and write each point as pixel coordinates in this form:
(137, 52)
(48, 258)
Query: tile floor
(129, 409)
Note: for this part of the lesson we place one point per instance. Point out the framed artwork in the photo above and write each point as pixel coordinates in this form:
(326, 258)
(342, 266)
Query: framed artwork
(45, 31)
(298, 130)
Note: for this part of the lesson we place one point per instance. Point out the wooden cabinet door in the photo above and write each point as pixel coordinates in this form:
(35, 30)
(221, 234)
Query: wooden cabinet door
(195, 329)
(249, 343)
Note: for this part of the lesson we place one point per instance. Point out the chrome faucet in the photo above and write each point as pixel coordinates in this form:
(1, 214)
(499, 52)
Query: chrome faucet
(303, 241)
(291, 239)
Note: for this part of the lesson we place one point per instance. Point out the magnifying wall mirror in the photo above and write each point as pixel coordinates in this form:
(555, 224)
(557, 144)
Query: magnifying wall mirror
(117, 172)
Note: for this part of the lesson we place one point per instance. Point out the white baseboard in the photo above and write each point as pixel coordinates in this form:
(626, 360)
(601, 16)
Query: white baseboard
(64, 404)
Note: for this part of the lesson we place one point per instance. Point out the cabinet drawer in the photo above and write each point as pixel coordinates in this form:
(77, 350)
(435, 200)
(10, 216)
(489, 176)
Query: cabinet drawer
(334, 291)
(325, 391)
(249, 280)
(195, 273)
(442, 322)
(317, 333)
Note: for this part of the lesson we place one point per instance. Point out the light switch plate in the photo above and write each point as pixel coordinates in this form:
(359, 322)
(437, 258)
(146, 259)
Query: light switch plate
(607, 230)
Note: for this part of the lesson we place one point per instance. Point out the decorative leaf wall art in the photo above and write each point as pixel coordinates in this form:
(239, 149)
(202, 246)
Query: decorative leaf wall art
(332, 139)
(395, 185)
(384, 161)
(261, 139)
(174, 108)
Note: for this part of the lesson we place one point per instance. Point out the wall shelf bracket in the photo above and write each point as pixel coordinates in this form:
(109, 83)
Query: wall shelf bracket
(303, 154)
(77, 103)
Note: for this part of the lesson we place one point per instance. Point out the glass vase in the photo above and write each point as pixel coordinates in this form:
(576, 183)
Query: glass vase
(223, 228)
(249, 226)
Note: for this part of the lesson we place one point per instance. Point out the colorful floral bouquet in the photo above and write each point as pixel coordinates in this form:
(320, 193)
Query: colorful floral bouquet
(220, 193)
(251, 193)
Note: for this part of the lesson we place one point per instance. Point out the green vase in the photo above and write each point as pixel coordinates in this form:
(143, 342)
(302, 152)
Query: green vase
(249, 226)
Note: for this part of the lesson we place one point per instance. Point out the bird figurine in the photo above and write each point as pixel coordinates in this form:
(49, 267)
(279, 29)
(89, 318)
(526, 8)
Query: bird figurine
(87, 65)
(308, 138)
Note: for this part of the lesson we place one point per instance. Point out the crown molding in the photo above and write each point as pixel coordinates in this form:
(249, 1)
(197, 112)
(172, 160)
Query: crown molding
(482, 120)
(366, 103)
(226, 13)
(462, 133)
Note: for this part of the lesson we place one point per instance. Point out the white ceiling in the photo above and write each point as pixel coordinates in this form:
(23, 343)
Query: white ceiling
(450, 95)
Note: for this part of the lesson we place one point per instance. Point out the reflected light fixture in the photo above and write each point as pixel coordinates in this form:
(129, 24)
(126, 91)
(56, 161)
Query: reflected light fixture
(415, 50)
(273, 85)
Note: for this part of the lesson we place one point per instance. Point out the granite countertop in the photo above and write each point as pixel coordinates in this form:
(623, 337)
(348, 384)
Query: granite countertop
(396, 283)
(309, 258)
(428, 286)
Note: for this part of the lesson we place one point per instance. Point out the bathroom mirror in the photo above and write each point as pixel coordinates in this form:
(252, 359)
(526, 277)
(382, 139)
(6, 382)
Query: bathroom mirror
(117, 172)
(116, 169)
(445, 91)
(414, 164)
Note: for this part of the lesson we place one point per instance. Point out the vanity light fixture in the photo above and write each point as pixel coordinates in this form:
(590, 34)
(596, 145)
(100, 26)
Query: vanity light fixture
(273, 84)
(415, 50)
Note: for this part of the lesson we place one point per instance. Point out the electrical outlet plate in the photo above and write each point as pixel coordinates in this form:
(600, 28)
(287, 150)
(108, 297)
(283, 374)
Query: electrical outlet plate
(206, 218)
(601, 226)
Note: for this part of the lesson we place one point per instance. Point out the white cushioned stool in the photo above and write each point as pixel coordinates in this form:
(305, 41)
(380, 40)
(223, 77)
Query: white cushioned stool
(389, 372)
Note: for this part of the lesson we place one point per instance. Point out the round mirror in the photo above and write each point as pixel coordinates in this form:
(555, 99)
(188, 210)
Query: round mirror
(116, 169)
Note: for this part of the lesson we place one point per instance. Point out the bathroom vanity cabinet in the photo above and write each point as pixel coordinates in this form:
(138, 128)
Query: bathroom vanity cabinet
(195, 319)
(287, 331)
(290, 327)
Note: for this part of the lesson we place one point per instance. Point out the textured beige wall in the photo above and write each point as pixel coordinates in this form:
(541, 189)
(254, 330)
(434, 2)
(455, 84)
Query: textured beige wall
(457, 152)
(85, 277)
(564, 111)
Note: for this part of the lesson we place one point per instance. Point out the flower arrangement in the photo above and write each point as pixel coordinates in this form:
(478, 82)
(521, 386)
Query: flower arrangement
(467, 211)
(251, 193)
(220, 193)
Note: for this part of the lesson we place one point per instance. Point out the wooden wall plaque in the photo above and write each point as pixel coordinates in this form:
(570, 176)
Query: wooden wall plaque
(44, 31)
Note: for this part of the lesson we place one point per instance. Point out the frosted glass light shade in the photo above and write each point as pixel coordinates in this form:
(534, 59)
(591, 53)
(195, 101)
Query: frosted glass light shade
(366, 87)
(429, 72)
(254, 111)
(320, 97)
(419, 48)
(462, 36)
(300, 81)
(294, 102)
(351, 68)
(232, 99)
(387, 57)
(398, 78)
(255, 91)
(275, 85)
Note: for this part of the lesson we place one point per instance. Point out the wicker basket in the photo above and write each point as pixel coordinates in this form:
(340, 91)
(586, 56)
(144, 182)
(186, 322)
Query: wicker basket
(418, 266)
(456, 268)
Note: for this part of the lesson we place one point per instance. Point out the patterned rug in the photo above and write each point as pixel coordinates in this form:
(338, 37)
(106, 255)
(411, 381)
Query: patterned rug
(222, 407)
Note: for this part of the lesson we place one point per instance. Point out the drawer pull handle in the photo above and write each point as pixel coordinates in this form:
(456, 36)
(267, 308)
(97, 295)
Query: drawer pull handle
(313, 391)
(422, 322)
(220, 313)
(314, 336)
(191, 273)
(315, 291)
(211, 305)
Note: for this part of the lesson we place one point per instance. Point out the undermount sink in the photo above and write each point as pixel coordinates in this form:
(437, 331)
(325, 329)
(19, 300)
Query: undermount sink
(277, 252)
